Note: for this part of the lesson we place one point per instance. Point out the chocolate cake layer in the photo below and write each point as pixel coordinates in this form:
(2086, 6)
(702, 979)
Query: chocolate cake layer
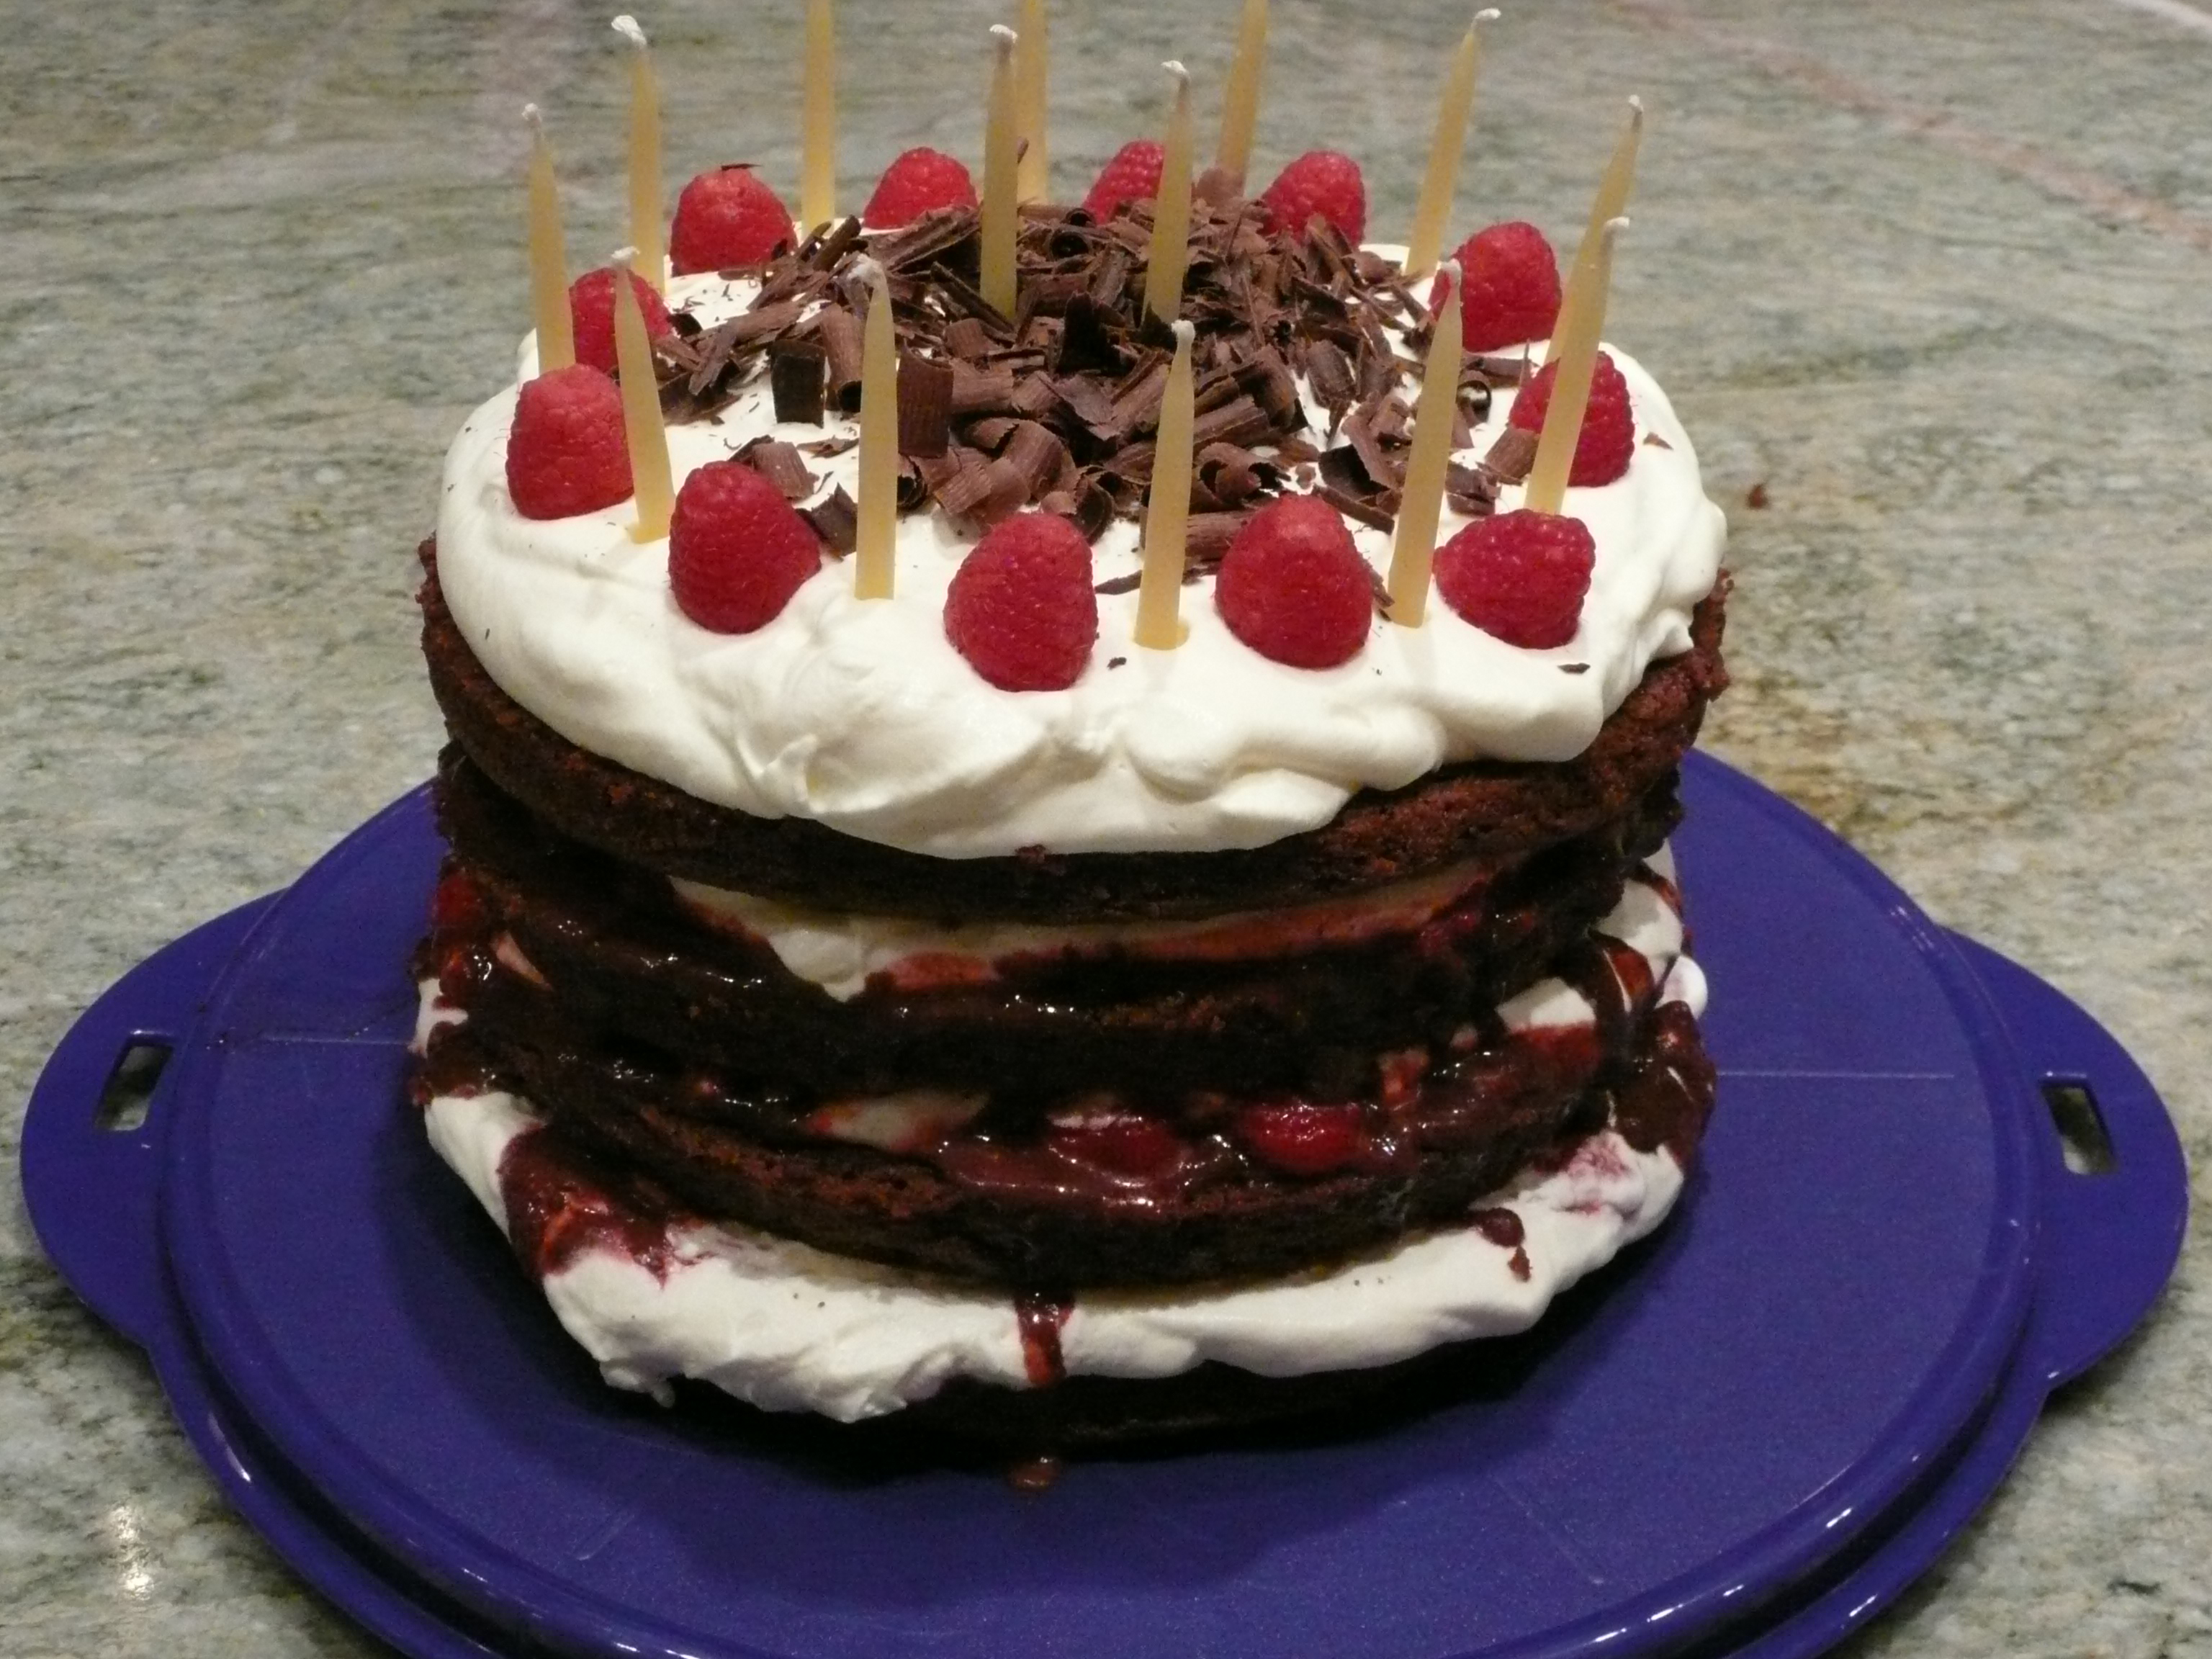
(1197, 1195)
(622, 958)
(1484, 810)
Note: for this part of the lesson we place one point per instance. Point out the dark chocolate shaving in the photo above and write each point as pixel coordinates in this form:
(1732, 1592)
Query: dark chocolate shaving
(779, 464)
(795, 369)
(1513, 455)
(839, 333)
(925, 406)
(836, 521)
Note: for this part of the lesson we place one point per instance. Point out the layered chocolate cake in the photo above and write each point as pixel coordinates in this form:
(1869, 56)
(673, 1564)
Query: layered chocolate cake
(833, 1005)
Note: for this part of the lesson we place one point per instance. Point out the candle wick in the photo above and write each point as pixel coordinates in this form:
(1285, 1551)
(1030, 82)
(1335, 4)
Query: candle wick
(1184, 331)
(532, 119)
(1615, 227)
(1003, 38)
(1636, 103)
(626, 25)
(866, 270)
(1176, 69)
(624, 257)
(1447, 284)
(1487, 15)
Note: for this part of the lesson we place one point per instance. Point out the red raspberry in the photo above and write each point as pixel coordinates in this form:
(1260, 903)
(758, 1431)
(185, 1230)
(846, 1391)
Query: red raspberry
(1606, 442)
(456, 908)
(1509, 287)
(1133, 175)
(592, 315)
(1320, 181)
(920, 179)
(1125, 1142)
(1294, 588)
(737, 550)
(1302, 1138)
(1020, 607)
(1519, 576)
(567, 452)
(727, 218)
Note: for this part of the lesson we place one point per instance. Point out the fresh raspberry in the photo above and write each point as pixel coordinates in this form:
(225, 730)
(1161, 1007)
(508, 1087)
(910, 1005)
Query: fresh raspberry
(567, 452)
(1300, 1138)
(737, 550)
(1126, 1143)
(920, 179)
(1607, 441)
(592, 315)
(727, 218)
(1519, 576)
(1020, 607)
(456, 908)
(1294, 588)
(1509, 287)
(1320, 181)
(1133, 175)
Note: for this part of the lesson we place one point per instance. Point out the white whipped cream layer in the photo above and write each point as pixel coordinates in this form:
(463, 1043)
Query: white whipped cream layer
(861, 714)
(788, 1328)
(841, 951)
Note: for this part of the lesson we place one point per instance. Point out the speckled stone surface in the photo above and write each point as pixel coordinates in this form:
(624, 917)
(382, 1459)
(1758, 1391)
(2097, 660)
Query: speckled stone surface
(1933, 277)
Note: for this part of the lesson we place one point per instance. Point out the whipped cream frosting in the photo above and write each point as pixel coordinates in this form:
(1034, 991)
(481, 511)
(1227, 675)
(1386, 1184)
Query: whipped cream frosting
(861, 714)
(789, 1328)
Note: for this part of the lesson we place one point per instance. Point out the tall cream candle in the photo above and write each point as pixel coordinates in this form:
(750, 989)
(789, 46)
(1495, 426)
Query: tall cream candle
(1420, 501)
(876, 534)
(1576, 357)
(1171, 250)
(1167, 519)
(549, 261)
(1612, 200)
(650, 476)
(999, 183)
(1240, 105)
(644, 157)
(1032, 65)
(1426, 241)
(818, 167)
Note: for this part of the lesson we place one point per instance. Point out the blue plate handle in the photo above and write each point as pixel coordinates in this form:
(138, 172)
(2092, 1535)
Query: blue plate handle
(2111, 1237)
(91, 1188)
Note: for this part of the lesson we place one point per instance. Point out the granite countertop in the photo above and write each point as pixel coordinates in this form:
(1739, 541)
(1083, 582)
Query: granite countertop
(1925, 281)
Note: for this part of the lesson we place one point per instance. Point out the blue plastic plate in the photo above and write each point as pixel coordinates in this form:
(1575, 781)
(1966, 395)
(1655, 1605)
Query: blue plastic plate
(1747, 1438)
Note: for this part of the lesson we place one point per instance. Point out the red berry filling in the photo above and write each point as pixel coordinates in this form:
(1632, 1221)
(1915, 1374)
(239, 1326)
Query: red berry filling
(1123, 1143)
(1302, 1138)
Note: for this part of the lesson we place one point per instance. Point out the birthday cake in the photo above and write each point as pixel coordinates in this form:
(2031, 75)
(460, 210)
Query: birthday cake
(942, 1002)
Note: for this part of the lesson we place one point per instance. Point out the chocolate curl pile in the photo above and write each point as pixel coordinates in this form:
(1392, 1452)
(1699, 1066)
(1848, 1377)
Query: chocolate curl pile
(1056, 407)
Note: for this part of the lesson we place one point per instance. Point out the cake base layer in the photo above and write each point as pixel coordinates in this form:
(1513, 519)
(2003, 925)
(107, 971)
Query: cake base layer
(1479, 811)
(654, 1296)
